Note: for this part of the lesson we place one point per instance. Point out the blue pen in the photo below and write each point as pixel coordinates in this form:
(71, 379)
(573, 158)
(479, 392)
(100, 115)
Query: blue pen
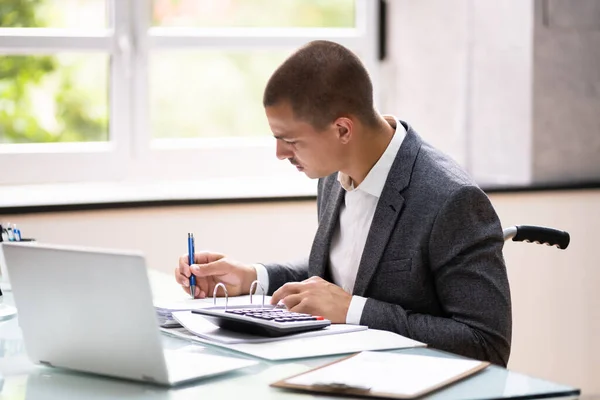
(190, 262)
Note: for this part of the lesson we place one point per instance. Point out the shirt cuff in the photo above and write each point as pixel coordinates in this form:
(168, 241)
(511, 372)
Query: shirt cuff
(263, 278)
(355, 310)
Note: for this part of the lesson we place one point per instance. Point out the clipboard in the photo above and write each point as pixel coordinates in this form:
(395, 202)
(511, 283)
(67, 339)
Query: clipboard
(361, 375)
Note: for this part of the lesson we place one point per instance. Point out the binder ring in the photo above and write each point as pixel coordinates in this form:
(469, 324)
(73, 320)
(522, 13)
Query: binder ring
(215, 294)
(255, 285)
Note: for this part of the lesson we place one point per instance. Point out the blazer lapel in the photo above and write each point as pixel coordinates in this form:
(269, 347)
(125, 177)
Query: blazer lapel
(329, 219)
(388, 210)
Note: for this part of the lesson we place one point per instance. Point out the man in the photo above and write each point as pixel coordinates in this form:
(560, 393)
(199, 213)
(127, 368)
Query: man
(406, 241)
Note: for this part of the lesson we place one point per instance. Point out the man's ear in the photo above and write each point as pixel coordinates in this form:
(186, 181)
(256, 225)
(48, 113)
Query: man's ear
(344, 129)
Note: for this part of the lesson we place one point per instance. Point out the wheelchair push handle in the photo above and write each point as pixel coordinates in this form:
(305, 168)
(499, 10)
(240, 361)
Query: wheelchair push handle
(538, 234)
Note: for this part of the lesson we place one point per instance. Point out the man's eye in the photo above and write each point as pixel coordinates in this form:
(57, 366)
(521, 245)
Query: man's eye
(290, 142)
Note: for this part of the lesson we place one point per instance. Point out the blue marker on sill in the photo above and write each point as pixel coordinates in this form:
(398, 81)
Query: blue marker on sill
(16, 233)
(191, 252)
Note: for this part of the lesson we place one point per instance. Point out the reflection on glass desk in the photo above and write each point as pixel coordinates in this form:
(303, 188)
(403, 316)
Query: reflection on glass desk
(20, 379)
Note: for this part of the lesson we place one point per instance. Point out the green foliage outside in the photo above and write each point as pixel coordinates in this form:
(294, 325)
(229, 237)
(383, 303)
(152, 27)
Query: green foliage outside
(254, 13)
(218, 92)
(71, 116)
(214, 93)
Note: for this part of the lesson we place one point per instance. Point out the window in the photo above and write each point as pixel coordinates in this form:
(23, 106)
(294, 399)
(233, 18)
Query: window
(128, 90)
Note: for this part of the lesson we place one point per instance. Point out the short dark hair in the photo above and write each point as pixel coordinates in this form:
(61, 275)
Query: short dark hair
(323, 81)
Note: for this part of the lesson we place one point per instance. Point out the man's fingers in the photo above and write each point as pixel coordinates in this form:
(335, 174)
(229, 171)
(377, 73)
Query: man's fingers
(217, 268)
(199, 258)
(188, 290)
(293, 300)
(209, 265)
(202, 285)
(206, 257)
(184, 268)
(181, 279)
(184, 281)
(286, 290)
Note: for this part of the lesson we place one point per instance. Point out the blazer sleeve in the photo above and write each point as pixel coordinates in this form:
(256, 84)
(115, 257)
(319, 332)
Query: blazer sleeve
(281, 273)
(465, 257)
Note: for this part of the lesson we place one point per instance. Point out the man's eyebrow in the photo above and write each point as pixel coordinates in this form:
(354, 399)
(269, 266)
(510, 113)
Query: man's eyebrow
(282, 136)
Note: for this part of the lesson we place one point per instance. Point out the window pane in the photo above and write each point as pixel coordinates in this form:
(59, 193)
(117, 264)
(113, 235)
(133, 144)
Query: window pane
(210, 94)
(57, 98)
(53, 14)
(255, 13)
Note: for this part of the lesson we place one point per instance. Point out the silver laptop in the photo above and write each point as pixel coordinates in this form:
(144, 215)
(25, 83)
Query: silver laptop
(92, 311)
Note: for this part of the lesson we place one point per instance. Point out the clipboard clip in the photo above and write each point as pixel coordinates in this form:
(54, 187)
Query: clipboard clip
(341, 387)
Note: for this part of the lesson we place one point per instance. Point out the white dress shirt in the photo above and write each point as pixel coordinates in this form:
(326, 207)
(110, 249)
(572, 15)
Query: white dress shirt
(356, 215)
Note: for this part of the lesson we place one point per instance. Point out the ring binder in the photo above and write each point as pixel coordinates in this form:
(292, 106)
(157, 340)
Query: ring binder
(256, 284)
(215, 294)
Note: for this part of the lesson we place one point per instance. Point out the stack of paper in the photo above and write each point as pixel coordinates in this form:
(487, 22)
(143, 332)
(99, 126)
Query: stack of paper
(165, 309)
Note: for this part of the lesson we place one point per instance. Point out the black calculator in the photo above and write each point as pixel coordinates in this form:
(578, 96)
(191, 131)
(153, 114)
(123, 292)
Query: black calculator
(262, 320)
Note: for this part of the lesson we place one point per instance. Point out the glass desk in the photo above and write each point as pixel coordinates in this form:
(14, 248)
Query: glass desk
(20, 379)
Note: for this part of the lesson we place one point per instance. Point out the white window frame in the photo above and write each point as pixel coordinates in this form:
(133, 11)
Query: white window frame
(131, 155)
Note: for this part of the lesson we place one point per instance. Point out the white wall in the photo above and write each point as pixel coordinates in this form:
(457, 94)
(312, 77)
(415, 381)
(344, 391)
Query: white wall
(425, 73)
(254, 232)
(555, 302)
(500, 70)
(555, 297)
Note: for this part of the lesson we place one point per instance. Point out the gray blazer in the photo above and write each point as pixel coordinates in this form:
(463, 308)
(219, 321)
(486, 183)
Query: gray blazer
(432, 268)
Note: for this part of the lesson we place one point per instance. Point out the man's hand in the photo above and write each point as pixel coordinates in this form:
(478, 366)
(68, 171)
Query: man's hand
(315, 296)
(212, 268)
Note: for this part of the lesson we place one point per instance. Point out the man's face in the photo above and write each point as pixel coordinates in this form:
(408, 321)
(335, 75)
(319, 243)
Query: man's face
(316, 153)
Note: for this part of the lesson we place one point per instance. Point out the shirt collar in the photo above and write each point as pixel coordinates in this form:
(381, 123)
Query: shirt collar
(375, 179)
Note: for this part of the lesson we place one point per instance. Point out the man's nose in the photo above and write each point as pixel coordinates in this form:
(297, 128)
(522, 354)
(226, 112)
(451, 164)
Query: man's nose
(283, 151)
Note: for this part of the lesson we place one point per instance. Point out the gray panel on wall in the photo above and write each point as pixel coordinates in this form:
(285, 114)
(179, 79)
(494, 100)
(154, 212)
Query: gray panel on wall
(572, 14)
(566, 93)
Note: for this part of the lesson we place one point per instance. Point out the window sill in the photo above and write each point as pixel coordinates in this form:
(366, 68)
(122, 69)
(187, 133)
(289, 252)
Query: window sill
(105, 195)
(25, 199)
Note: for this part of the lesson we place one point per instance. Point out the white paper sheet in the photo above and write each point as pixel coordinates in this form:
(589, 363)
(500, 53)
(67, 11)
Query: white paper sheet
(352, 342)
(7, 312)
